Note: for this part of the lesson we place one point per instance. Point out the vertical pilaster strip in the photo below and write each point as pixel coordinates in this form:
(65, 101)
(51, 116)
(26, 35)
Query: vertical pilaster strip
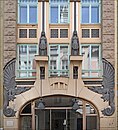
(10, 31)
(1, 64)
(108, 30)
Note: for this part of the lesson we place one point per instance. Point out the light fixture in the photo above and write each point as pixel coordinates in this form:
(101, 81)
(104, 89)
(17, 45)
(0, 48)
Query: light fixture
(75, 105)
(41, 104)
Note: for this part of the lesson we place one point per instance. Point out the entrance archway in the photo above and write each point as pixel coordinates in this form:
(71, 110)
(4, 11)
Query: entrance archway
(59, 114)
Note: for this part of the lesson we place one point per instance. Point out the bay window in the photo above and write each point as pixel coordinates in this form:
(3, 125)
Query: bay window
(58, 60)
(90, 11)
(25, 60)
(27, 11)
(59, 11)
(91, 65)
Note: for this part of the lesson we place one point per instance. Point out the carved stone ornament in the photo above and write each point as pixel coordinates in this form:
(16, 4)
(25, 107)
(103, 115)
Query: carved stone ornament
(107, 88)
(10, 88)
(75, 44)
(43, 45)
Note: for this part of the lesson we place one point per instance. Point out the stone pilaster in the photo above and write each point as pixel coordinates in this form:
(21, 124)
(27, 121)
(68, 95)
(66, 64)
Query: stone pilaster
(10, 31)
(108, 30)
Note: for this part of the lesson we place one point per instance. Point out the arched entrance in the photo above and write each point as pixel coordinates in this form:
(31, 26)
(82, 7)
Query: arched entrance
(59, 113)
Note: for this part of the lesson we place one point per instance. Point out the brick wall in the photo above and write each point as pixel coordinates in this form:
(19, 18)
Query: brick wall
(10, 32)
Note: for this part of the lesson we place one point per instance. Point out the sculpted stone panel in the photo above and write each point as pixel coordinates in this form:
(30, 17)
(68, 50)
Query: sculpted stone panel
(10, 39)
(108, 39)
(10, 24)
(9, 46)
(10, 16)
(10, 5)
(10, 32)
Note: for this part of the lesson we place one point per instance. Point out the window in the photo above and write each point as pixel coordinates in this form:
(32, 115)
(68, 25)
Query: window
(25, 61)
(27, 11)
(91, 60)
(90, 11)
(90, 33)
(59, 11)
(59, 60)
(58, 33)
(27, 33)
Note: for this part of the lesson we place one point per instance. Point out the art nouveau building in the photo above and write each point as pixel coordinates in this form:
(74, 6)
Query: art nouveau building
(60, 67)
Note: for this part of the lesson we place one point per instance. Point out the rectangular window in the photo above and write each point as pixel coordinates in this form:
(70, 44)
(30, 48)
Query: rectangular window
(27, 11)
(54, 33)
(91, 60)
(90, 11)
(59, 11)
(95, 33)
(58, 60)
(32, 33)
(25, 61)
(22, 33)
(85, 14)
(23, 14)
(63, 33)
(85, 33)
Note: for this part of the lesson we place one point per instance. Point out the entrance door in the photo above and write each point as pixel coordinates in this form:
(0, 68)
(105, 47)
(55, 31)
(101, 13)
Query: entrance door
(57, 119)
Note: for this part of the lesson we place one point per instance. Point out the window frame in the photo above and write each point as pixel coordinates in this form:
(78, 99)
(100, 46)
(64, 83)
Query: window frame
(90, 70)
(90, 5)
(26, 70)
(59, 69)
(27, 5)
(58, 5)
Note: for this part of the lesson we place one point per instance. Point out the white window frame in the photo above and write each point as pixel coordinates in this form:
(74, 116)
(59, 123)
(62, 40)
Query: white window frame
(27, 5)
(90, 5)
(90, 70)
(27, 71)
(58, 4)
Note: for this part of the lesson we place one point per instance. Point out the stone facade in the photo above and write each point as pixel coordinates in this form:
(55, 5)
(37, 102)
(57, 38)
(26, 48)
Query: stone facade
(108, 31)
(10, 32)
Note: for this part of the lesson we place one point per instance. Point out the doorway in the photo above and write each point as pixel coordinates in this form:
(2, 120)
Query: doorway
(58, 119)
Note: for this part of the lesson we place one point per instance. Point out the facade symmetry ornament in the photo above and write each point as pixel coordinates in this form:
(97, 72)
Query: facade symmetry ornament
(10, 88)
(43, 45)
(75, 44)
(107, 88)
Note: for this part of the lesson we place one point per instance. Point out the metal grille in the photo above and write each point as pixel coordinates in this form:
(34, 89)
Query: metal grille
(85, 33)
(22, 33)
(63, 33)
(54, 33)
(95, 33)
(32, 33)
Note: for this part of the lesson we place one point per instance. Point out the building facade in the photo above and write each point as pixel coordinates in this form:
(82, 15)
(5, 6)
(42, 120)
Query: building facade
(60, 65)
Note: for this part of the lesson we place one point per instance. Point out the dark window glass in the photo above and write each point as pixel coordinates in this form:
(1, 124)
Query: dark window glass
(63, 33)
(85, 33)
(54, 33)
(95, 33)
(32, 33)
(23, 33)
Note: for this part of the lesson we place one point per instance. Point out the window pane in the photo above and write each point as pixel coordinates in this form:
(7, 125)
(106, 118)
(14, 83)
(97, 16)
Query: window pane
(64, 14)
(94, 57)
(95, 15)
(23, 14)
(85, 14)
(86, 57)
(54, 14)
(22, 33)
(32, 14)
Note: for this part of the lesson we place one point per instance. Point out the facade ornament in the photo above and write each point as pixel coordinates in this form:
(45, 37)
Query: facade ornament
(75, 44)
(43, 45)
(107, 88)
(10, 88)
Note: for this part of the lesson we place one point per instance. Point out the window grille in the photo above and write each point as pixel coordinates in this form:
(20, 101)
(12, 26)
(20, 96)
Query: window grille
(22, 33)
(42, 72)
(85, 33)
(63, 33)
(95, 33)
(32, 33)
(54, 33)
(75, 72)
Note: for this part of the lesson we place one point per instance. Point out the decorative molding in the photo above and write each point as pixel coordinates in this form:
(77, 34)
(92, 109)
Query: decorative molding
(107, 88)
(10, 87)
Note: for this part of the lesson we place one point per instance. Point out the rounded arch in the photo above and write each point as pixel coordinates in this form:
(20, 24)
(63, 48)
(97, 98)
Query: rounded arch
(86, 113)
